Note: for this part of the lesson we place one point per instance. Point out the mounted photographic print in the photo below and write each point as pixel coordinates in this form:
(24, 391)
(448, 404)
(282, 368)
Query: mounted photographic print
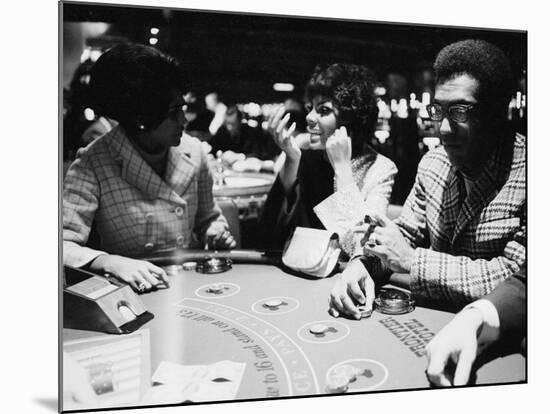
(261, 207)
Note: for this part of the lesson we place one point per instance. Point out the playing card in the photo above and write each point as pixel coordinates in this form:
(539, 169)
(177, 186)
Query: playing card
(215, 382)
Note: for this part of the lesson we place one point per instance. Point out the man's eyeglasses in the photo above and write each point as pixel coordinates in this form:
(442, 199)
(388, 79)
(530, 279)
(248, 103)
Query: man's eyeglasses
(456, 113)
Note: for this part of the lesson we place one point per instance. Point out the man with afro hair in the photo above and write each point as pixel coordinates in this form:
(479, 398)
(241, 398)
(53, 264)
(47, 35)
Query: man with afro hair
(462, 228)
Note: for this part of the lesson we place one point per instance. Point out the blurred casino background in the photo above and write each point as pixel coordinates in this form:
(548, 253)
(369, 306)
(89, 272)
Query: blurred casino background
(257, 62)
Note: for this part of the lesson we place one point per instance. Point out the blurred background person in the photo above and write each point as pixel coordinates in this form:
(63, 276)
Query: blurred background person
(218, 108)
(236, 136)
(197, 117)
(99, 127)
(404, 132)
(76, 101)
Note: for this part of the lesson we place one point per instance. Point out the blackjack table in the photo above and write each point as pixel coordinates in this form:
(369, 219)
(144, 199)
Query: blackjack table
(277, 323)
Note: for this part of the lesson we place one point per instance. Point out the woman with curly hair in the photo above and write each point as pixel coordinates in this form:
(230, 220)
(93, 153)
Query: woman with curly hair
(334, 178)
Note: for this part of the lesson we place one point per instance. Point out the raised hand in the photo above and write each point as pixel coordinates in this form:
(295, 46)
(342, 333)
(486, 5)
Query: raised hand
(338, 149)
(219, 238)
(277, 127)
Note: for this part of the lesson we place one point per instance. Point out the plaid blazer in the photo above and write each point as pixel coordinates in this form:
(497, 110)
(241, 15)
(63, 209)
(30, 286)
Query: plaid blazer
(464, 250)
(133, 209)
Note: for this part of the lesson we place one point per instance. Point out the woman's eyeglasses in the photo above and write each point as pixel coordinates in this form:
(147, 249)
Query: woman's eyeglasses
(456, 113)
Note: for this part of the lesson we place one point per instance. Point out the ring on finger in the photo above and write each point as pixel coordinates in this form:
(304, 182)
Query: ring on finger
(141, 287)
(373, 240)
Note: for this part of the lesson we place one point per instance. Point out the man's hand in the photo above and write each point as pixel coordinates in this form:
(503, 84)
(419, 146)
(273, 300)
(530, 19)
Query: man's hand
(388, 243)
(456, 345)
(353, 286)
(218, 237)
(139, 274)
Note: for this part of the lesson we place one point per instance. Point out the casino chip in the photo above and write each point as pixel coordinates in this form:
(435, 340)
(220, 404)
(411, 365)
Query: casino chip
(318, 328)
(210, 265)
(274, 303)
(347, 371)
(365, 313)
(172, 270)
(337, 383)
(189, 265)
(216, 288)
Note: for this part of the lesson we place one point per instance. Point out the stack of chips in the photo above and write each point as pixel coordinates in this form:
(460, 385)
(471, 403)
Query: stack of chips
(189, 266)
(216, 288)
(340, 377)
(318, 329)
(273, 303)
(172, 270)
(365, 313)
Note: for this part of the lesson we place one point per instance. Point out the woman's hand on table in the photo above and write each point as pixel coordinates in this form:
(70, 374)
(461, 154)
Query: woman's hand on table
(219, 238)
(139, 274)
(353, 286)
(277, 127)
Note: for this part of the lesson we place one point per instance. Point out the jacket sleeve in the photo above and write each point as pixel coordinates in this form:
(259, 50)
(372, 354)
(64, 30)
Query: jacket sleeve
(509, 299)
(80, 203)
(442, 275)
(347, 207)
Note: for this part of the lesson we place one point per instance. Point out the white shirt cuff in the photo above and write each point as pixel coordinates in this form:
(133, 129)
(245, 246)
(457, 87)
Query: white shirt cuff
(491, 323)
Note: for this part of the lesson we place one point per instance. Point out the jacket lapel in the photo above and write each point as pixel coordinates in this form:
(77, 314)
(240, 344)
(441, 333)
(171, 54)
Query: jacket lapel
(134, 170)
(450, 203)
(180, 169)
(482, 192)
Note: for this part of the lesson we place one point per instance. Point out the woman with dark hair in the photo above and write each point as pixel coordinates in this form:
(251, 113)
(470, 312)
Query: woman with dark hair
(143, 186)
(333, 179)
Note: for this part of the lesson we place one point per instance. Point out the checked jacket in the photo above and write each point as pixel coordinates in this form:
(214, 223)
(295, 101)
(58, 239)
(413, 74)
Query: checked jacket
(132, 208)
(464, 250)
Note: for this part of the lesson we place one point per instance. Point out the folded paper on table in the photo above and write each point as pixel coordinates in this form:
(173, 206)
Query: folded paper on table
(119, 368)
(312, 251)
(180, 383)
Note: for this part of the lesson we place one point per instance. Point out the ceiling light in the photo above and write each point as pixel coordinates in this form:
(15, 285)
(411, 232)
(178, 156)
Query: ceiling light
(283, 87)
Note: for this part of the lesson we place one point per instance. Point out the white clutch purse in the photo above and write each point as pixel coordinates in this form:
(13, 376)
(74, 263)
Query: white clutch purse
(312, 251)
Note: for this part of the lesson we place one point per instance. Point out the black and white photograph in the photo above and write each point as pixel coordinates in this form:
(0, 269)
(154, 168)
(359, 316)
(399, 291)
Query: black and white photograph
(263, 207)
(260, 206)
